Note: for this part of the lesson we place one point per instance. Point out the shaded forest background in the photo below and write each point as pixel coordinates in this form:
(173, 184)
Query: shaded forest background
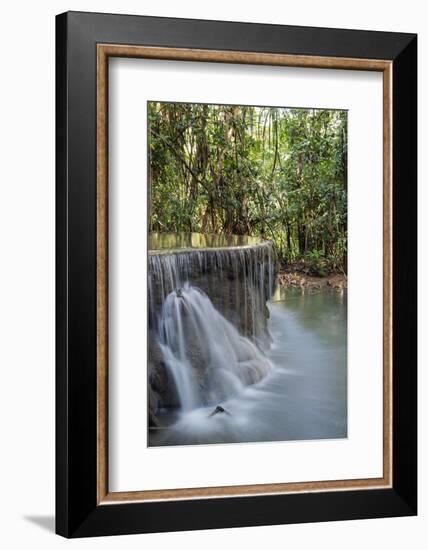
(272, 172)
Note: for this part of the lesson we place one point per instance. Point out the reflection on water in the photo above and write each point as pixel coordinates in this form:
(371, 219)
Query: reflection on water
(304, 397)
(171, 241)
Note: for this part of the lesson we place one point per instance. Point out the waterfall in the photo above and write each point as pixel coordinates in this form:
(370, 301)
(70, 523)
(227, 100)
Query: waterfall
(246, 275)
(207, 357)
(208, 322)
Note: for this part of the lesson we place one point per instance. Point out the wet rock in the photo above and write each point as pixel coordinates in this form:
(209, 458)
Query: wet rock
(219, 410)
(161, 389)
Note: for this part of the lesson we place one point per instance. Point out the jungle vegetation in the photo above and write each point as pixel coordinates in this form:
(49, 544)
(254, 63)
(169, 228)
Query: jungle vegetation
(278, 173)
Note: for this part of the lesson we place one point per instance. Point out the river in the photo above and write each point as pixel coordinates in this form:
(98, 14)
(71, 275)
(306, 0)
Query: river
(303, 397)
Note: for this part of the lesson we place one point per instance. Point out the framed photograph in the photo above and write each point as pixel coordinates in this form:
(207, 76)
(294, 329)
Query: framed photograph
(236, 274)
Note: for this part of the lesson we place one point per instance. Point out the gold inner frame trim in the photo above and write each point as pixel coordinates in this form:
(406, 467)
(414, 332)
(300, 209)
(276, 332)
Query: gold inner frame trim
(104, 51)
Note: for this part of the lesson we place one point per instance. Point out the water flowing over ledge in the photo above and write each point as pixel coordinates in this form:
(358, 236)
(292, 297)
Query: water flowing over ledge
(207, 317)
(238, 278)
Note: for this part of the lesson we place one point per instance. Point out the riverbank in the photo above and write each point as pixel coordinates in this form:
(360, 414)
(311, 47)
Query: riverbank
(298, 278)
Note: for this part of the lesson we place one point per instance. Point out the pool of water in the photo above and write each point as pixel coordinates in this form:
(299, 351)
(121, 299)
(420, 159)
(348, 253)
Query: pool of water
(304, 396)
(172, 241)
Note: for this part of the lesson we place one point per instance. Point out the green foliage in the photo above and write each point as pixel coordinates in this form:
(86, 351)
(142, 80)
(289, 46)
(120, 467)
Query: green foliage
(273, 172)
(317, 262)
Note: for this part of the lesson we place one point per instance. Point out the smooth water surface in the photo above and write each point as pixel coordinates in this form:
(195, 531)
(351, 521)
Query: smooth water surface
(173, 241)
(303, 397)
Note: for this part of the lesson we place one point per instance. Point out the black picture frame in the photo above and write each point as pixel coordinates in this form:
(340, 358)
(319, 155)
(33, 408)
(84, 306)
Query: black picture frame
(77, 511)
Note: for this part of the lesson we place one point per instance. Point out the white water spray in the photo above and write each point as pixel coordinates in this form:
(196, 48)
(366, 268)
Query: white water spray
(206, 356)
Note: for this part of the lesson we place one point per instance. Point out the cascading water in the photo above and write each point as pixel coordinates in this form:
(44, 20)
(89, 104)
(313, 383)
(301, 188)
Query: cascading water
(238, 279)
(207, 357)
(207, 317)
(230, 362)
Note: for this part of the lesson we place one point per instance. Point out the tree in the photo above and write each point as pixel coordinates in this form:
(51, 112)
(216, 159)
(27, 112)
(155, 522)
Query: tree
(273, 172)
